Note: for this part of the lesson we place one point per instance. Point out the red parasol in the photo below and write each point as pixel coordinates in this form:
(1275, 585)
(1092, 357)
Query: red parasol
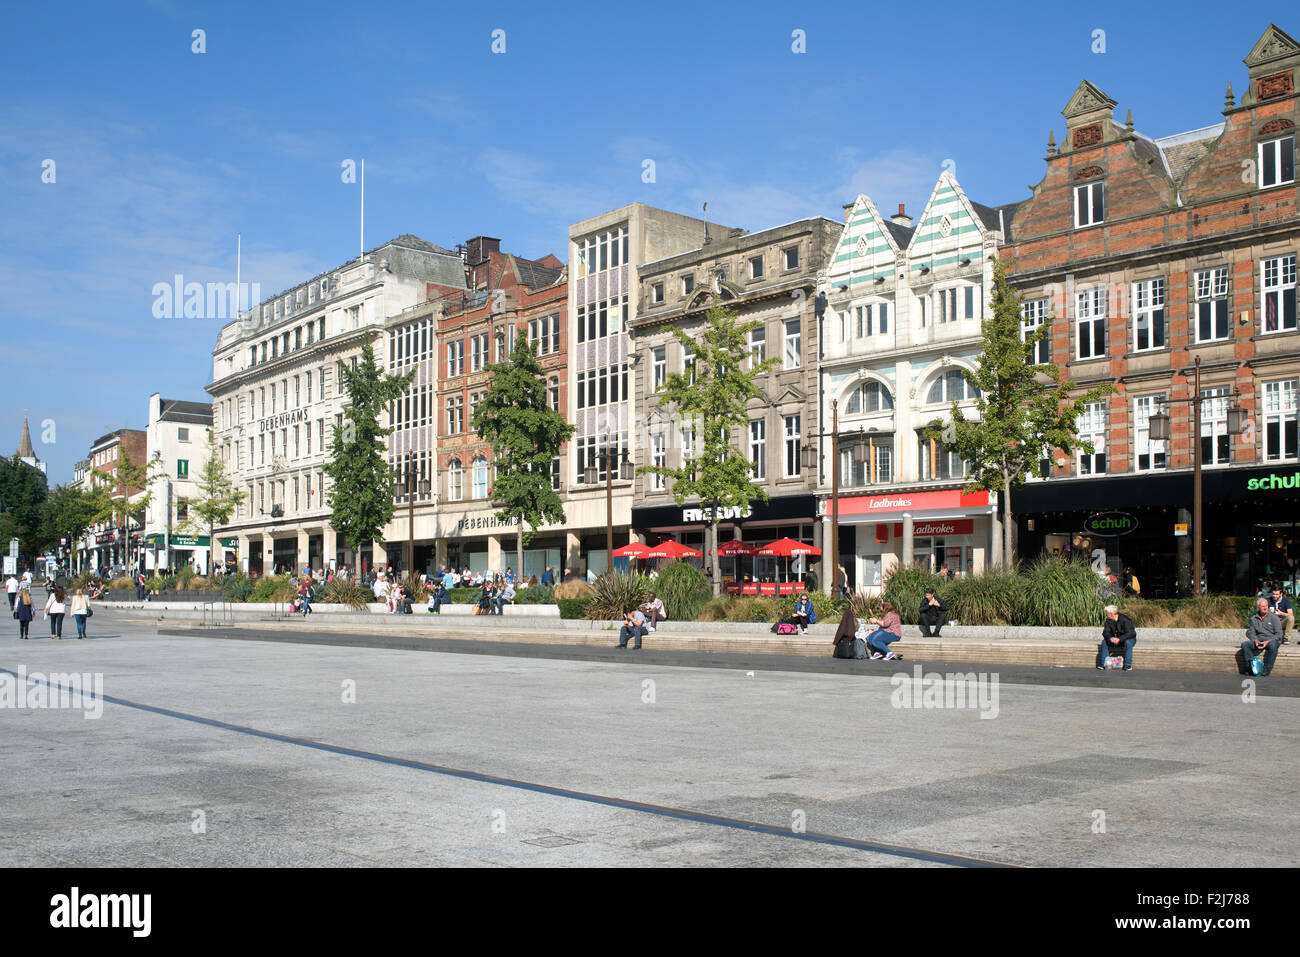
(733, 548)
(788, 548)
(671, 549)
(634, 550)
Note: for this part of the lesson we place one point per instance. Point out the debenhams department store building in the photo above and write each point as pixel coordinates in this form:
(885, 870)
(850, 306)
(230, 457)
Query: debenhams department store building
(276, 398)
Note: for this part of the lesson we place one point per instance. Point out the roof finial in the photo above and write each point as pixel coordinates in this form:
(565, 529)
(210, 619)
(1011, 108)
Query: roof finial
(1229, 102)
(1128, 122)
(1051, 142)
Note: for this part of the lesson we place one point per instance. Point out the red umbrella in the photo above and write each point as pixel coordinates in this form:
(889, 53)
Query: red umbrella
(733, 547)
(671, 549)
(788, 548)
(634, 550)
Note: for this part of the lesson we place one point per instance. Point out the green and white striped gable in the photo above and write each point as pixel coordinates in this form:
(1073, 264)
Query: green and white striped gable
(949, 229)
(866, 248)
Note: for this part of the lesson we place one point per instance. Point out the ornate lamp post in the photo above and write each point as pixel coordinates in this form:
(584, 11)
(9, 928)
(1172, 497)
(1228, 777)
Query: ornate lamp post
(591, 474)
(413, 481)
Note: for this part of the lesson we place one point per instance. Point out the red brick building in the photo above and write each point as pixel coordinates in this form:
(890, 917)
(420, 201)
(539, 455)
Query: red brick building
(455, 338)
(1153, 258)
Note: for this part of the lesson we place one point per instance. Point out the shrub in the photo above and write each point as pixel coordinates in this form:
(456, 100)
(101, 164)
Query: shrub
(829, 610)
(536, 595)
(716, 609)
(1147, 614)
(743, 609)
(572, 607)
(121, 584)
(684, 590)
(237, 587)
(81, 581)
(1060, 593)
(1210, 611)
(993, 597)
(181, 580)
(464, 596)
(617, 593)
(905, 586)
(414, 589)
(273, 588)
(341, 592)
(574, 589)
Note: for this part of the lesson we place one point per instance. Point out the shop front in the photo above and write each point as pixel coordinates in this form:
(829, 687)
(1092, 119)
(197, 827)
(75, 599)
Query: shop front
(1142, 524)
(944, 527)
(792, 517)
(178, 551)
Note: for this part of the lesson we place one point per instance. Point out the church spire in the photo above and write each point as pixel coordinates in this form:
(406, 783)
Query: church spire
(25, 442)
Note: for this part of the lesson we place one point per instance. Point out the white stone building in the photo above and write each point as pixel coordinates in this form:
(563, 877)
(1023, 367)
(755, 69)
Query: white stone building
(905, 307)
(277, 398)
(176, 442)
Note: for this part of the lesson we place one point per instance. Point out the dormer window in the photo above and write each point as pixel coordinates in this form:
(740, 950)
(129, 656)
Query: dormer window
(1089, 204)
(1277, 162)
(756, 268)
(657, 293)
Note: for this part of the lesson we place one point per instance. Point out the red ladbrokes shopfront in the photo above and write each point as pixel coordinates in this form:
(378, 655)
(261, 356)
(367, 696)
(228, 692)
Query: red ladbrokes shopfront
(947, 526)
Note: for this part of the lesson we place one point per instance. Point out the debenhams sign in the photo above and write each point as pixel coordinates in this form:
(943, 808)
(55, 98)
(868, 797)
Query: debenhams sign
(292, 417)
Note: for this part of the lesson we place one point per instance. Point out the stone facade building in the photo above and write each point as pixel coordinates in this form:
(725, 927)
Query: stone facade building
(769, 276)
(177, 441)
(1155, 259)
(277, 397)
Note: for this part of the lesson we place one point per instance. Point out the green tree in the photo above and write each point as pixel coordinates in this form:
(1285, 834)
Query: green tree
(69, 512)
(525, 434)
(1024, 411)
(715, 392)
(23, 491)
(217, 500)
(361, 493)
(130, 506)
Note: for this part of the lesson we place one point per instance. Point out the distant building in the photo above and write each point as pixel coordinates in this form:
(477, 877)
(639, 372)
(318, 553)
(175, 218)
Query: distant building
(25, 452)
(117, 541)
(178, 442)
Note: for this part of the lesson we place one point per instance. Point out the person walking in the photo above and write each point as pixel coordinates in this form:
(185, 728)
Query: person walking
(890, 630)
(11, 586)
(24, 611)
(548, 576)
(80, 610)
(55, 608)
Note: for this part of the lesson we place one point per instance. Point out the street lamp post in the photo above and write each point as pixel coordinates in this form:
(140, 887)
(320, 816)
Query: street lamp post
(810, 461)
(1159, 429)
(414, 480)
(607, 460)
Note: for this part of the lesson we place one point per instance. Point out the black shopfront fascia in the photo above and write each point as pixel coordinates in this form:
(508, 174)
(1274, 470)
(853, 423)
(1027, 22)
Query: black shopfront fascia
(1233, 514)
(788, 508)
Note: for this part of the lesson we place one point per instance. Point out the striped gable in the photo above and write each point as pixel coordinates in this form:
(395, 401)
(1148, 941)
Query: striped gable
(949, 229)
(866, 248)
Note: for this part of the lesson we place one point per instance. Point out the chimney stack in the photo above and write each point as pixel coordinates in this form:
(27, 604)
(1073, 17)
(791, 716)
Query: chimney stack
(901, 218)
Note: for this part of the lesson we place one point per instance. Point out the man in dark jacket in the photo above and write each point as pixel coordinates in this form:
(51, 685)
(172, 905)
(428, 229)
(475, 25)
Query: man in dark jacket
(934, 613)
(1118, 634)
(1263, 636)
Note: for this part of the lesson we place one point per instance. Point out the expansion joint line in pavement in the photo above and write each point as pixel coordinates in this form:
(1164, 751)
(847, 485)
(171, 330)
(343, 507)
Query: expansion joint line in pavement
(659, 810)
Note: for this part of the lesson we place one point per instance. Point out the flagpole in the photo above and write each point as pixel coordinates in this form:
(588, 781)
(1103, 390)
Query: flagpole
(363, 209)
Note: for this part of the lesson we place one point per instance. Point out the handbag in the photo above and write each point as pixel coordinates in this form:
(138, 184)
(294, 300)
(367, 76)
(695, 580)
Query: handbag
(1114, 662)
(89, 611)
(1256, 665)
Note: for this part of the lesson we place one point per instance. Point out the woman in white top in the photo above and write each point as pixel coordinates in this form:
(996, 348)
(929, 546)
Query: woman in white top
(11, 586)
(55, 610)
(80, 609)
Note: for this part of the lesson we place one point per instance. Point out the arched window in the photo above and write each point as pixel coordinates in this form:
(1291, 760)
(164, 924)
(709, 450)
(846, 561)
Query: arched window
(480, 477)
(951, 386)
(870, 397)
(455, 480)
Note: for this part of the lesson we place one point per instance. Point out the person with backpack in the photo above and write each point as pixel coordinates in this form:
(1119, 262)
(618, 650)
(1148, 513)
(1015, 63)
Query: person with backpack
(1118, 636)
(1263, 637)
(55, 610)
(803, 614)
(23, 610)
(847, 642)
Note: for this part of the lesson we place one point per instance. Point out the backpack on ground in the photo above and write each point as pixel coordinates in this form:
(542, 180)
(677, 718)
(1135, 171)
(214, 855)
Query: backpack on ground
(785, 628)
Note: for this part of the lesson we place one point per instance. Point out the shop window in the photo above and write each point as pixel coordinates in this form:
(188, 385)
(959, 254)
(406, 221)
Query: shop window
(939, 463)
(1279, 287)
(869, 462)
(1033, 314)
(1280, 419)
(1211, 305)
(480, 477)
(455, 480)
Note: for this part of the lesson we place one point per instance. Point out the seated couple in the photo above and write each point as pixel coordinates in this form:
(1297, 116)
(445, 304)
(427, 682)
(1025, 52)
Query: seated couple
(889, 629)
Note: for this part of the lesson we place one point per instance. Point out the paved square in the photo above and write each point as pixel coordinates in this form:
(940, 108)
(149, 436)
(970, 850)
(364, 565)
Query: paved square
(704, 753)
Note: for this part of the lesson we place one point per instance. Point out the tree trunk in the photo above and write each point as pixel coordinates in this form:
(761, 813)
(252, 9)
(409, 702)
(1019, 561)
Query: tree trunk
(1008, 528)
(519, 553)
(717, 571)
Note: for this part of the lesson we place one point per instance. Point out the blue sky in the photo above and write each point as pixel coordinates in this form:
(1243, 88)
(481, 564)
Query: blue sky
(162, 155)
